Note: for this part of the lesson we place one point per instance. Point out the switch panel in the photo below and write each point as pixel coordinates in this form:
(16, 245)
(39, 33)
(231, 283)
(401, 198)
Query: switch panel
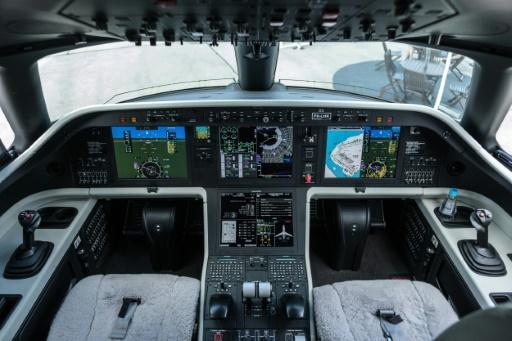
(268, 298)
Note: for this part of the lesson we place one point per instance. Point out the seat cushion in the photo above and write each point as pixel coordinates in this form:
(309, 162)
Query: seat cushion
(167, 310)
(346, 311)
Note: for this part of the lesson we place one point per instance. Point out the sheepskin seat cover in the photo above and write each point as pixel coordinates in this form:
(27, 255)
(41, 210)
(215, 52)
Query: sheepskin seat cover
(167, 310)
(347, 310)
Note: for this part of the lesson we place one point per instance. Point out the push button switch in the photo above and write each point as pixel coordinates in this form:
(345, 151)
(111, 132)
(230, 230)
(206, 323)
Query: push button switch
(218, 336)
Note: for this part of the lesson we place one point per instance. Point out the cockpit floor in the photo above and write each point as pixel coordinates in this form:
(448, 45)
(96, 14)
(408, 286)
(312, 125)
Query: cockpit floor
(381, 260)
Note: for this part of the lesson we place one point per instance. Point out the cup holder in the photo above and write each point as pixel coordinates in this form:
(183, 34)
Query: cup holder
(57, 217)
(65, 213)
(501, 298)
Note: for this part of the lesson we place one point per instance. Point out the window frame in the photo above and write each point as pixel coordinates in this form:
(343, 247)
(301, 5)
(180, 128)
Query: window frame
(7, 134)
(505, 145)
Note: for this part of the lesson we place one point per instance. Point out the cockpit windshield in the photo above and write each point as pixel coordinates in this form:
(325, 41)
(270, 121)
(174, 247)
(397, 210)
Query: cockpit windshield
(393, 72)
(388, 71)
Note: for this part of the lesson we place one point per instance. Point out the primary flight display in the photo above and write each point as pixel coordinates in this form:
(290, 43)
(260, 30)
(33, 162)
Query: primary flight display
(150, 152)
(362, 152)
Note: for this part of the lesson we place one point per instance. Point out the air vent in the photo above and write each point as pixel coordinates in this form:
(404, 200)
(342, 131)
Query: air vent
(501, 298)
(313, 209)
(504, 158)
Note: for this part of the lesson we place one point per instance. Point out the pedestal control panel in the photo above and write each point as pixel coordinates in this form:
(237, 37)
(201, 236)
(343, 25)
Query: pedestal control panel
(256, 298)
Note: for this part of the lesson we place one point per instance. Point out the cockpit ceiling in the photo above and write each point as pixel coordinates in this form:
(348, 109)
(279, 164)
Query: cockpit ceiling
(33, 22)
(282, 20)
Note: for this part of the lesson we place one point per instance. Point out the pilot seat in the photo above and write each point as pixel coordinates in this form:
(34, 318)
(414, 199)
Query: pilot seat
(128, 307)
(381, 309)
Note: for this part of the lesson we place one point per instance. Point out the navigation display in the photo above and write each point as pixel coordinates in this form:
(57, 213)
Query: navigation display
(256, 152)
(256, 219)
(367, 152)
(150, 152)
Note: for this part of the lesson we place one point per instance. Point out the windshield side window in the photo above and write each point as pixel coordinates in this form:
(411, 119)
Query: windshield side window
(6, 132)
(504, 134)
(454, 86)
(394, 72)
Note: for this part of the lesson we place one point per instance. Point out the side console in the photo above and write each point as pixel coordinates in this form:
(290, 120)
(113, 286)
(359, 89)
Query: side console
(256, 298)
(91, 244)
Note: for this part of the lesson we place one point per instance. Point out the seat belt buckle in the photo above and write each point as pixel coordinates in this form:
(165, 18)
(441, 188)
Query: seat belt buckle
(385, 313)
(388, 319)
(389, 315)
(124, 317)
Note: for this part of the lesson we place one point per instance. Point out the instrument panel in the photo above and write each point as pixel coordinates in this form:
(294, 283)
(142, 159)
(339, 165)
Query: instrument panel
(254, 146)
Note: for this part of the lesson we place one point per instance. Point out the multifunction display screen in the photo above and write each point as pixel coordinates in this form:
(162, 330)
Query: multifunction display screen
(367, 152)
(256, 152)
(256, 219)
(150, 152)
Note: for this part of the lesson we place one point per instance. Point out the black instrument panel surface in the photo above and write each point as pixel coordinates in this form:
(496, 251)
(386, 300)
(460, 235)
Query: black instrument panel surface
(275, 147)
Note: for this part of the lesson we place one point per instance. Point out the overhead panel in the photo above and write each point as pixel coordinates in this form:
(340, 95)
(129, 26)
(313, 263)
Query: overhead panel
(246, 21)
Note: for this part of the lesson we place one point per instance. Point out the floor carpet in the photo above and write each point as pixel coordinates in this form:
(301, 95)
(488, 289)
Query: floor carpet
(381, 260)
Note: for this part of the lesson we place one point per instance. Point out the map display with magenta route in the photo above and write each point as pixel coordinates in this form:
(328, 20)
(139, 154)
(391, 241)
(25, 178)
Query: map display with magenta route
(256, 152)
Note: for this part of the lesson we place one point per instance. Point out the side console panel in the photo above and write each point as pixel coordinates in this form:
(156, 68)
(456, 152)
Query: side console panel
(426, 257)
(37, 325)
(83, 258)
(91, 244)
